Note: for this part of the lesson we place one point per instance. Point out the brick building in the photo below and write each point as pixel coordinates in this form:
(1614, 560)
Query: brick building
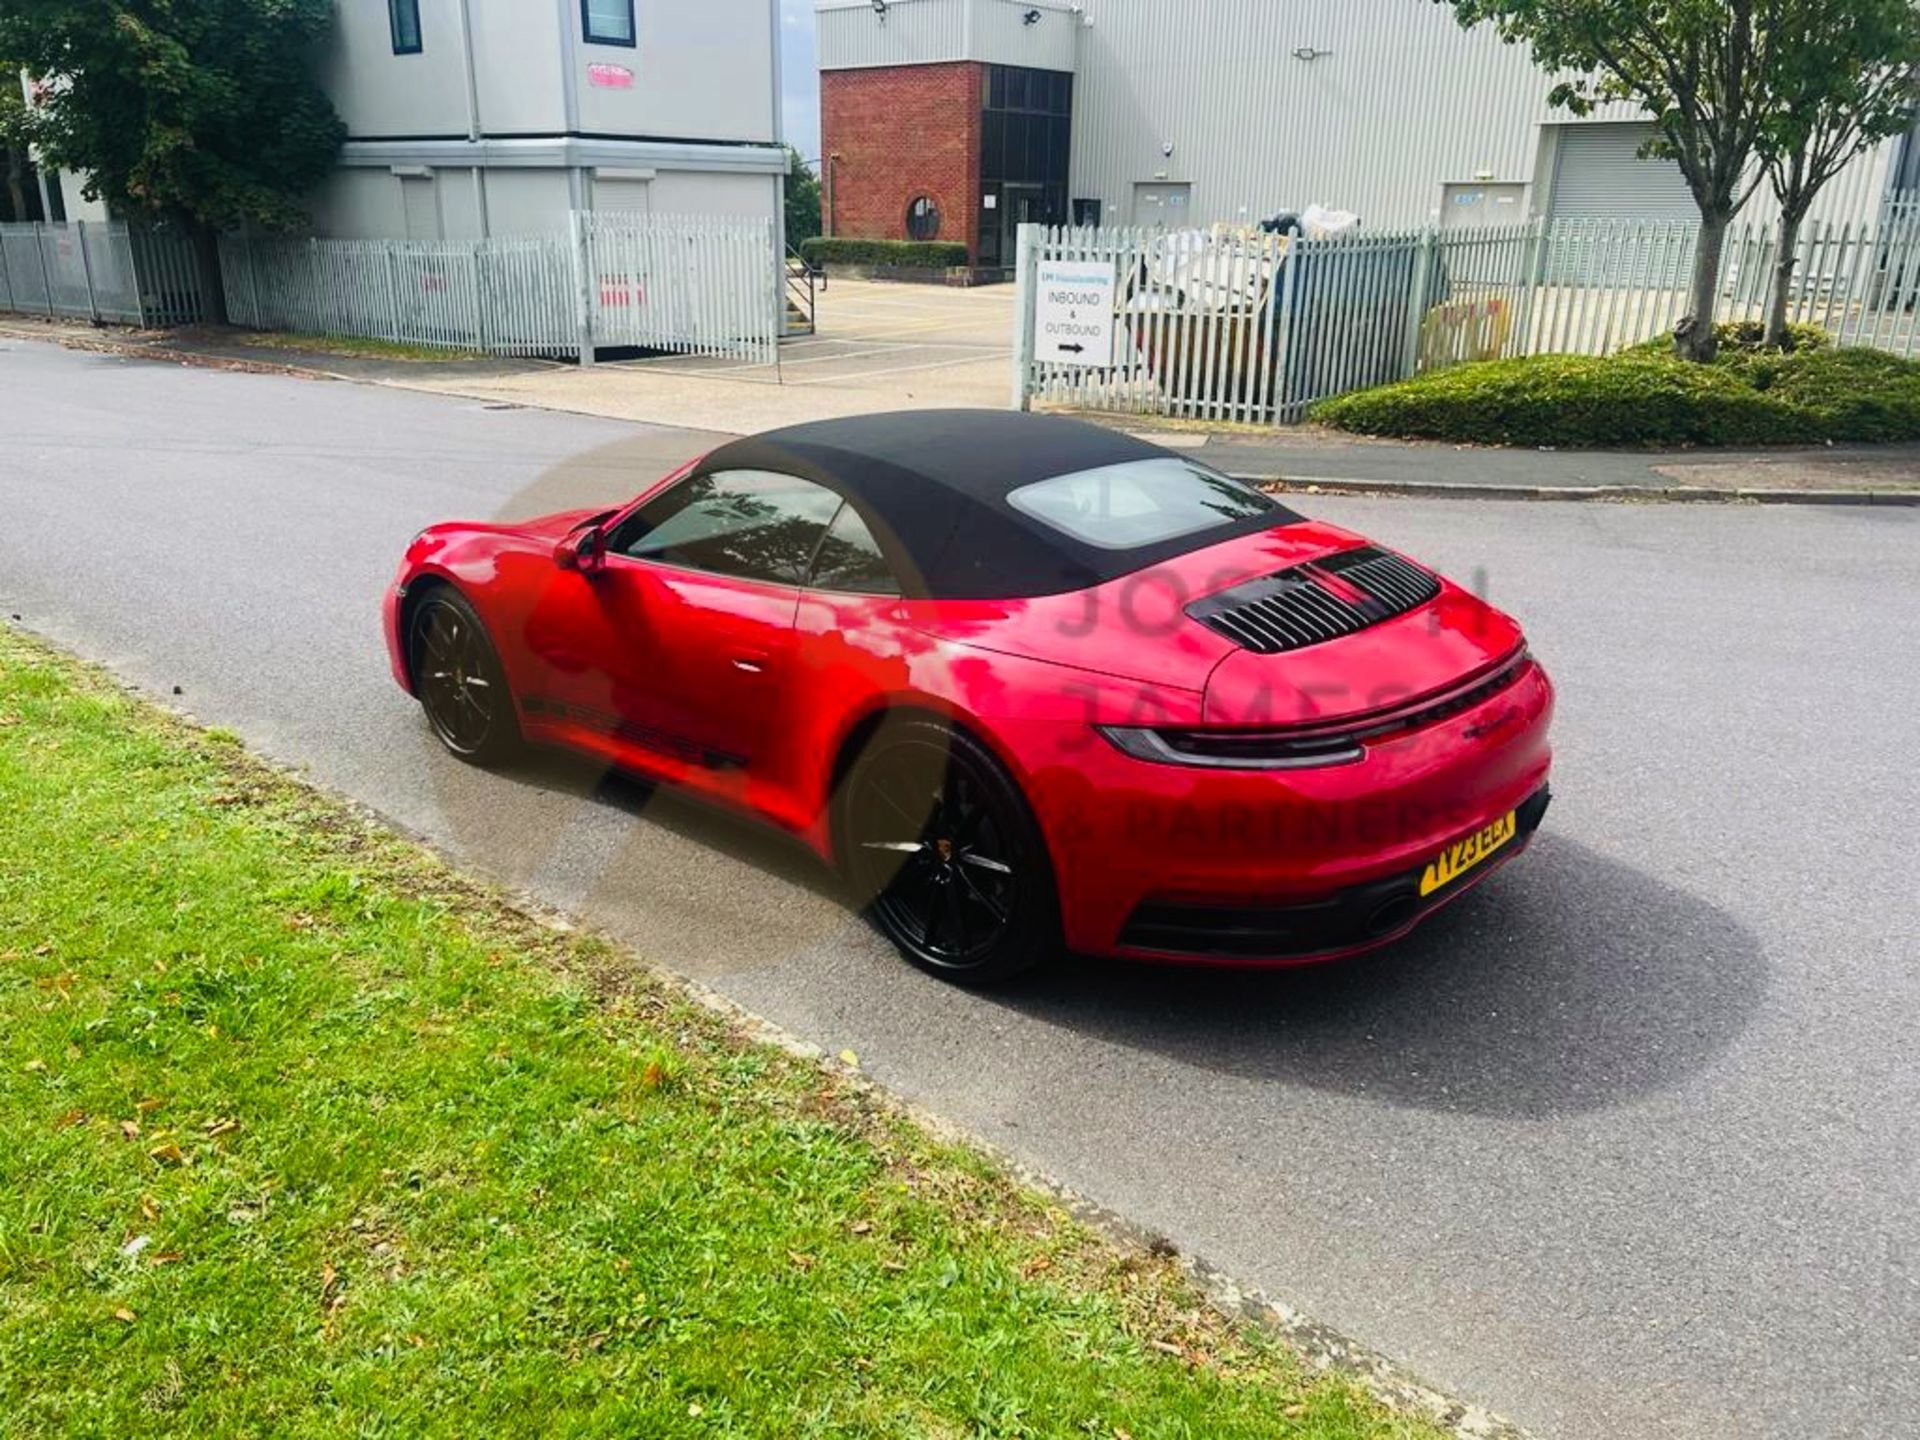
(962, 149)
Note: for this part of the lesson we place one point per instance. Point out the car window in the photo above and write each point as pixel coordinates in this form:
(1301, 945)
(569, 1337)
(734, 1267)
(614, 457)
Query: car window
(850, 559)
(754, 524)
(1139, 503)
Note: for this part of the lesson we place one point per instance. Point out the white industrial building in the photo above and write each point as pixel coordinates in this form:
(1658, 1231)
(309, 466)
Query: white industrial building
(469, 118)
(473, 118)
(1193, 111)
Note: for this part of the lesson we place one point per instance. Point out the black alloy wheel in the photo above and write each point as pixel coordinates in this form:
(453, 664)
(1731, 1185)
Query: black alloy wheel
(457, 675)
(946, 855)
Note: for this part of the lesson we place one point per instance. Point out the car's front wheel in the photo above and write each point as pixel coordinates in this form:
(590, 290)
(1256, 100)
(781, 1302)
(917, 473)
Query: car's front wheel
(946, 855)
(459, 679)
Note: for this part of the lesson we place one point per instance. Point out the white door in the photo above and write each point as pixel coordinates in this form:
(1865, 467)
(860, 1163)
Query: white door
(1164, 203)
(420, 199)
(1471, 206)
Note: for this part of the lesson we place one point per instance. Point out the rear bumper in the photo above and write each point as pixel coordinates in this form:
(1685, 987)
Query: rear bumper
(1346, 922)
(1160, 861)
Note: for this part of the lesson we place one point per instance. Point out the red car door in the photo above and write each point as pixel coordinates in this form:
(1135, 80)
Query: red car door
(692, 619)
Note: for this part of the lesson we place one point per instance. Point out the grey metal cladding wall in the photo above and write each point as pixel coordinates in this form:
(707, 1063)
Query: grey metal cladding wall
(915, 32)
(1002, 36)
(1404, 102)
(921, 32)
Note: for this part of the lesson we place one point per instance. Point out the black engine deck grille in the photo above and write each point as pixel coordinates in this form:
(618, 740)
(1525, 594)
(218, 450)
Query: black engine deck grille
(1299, 607)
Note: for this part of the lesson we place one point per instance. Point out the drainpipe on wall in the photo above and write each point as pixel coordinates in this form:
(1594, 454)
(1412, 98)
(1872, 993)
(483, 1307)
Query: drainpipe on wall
(779, 276)
(566, 10)
(473, 117)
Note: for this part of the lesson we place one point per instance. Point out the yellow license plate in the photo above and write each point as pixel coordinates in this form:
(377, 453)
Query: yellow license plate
(1457, 859)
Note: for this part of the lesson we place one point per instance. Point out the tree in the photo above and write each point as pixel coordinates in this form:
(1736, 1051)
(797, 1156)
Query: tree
(1699, 67)
(13, 145)
(803, 199)
(202, 112)
(1845, 85)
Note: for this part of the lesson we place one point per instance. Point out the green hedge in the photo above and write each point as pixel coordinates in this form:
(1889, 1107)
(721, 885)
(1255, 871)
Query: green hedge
(908, 254)
(1639, 398)
(1738, 337)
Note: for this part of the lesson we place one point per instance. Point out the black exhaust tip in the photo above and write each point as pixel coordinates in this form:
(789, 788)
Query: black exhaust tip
(1395, 914)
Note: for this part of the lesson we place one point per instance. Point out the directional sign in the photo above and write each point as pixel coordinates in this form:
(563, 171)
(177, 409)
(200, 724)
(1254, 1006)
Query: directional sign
(1073, 313)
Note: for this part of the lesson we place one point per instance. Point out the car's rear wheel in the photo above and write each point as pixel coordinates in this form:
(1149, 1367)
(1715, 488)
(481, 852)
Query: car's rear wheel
(945, 854)
(459, 679)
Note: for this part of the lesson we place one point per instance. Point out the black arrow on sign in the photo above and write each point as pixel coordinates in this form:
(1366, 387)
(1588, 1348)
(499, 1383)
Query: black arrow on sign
(1071, 349)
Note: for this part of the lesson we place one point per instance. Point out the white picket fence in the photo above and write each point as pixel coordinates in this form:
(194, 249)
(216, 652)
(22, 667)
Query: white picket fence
(707, 285)
(98, 271)
(1236, 325)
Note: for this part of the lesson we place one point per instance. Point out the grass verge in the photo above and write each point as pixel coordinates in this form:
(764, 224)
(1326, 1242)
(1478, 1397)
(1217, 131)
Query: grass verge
(302, 1133)
(355, 346)
(1646, 396)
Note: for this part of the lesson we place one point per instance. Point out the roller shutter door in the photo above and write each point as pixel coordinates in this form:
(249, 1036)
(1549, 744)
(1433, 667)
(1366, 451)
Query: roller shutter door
(1598, 175)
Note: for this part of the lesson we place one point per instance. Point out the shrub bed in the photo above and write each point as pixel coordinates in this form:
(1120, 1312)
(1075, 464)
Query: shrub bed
(1647, 396)
(908, 254)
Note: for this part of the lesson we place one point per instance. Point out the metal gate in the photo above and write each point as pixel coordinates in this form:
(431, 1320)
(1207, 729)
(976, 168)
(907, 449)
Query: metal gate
(98, 271)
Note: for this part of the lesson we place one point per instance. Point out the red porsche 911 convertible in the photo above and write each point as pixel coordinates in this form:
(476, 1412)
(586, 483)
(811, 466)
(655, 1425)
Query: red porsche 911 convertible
(1029, 683)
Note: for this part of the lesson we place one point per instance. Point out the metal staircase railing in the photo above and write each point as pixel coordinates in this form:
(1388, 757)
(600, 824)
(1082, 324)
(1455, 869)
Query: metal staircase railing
(804, 280)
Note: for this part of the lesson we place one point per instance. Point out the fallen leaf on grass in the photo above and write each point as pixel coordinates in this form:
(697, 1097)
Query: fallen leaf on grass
(847, 1057)
(125, 1316)
(149, 1105)
(168, 1257)
(1166, 1347)
(1294, 1412)
(36, 1067)
(217, 1128)
(130, 1129)
(134, 1246)
(70, 1119)
(805, 1262)
(862, 1227)
(167, 1153)
(149, 1208)
(652, 1075)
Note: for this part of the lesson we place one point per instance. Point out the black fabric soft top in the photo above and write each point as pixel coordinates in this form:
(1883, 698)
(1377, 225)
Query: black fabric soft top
(933, 486)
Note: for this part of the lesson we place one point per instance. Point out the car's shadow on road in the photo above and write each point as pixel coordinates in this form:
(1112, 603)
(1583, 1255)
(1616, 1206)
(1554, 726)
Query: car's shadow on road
(1567, 982)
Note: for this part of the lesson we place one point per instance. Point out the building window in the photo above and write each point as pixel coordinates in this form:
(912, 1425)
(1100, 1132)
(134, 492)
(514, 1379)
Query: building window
(923, 219)
(403, 19)
(607, 22)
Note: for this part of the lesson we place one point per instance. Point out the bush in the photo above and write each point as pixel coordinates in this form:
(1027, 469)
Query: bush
(1570, 400)
(1860, 395)
(908, 254)
(1739, 337)
(1643, 398)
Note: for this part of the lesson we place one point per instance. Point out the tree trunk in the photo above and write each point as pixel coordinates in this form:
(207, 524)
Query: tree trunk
(1778, 336)
(1693, 337)
(17, 186)
(206, 258)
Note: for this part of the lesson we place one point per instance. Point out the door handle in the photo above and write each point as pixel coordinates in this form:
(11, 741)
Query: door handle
(748, 664)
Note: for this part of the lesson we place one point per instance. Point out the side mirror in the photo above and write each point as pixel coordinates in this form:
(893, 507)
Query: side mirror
(583, 550)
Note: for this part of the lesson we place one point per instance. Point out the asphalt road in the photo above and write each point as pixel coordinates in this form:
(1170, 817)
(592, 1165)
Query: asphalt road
(1626, 1144)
